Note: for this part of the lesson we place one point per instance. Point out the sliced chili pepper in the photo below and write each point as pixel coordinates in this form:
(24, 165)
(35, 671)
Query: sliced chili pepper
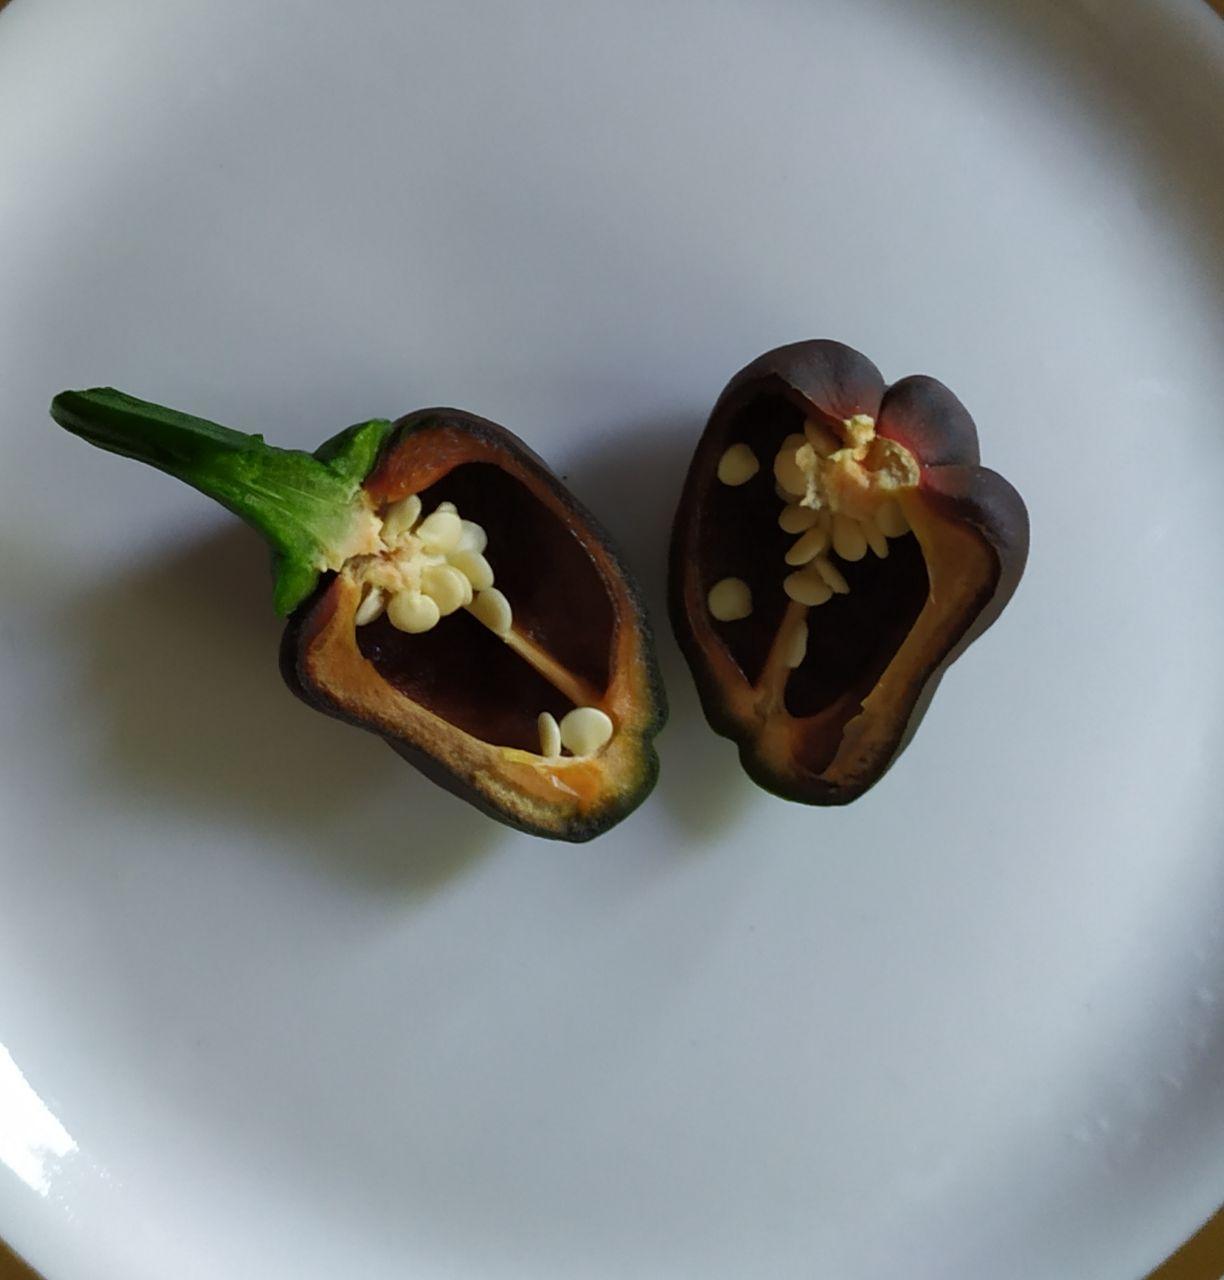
(445, 591)
(836, 547)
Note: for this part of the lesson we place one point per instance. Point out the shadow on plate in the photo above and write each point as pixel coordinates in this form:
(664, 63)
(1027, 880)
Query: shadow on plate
(179, 664)
(631, 478)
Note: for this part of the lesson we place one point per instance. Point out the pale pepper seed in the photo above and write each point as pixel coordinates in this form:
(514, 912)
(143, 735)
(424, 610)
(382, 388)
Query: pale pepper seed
(493, 609)
(832, 575)
(796, 519)
(439, 533)
(796, 644)
(849, 540)
(413, 612)
(738, 465)
(806, 587)
(787, 471)
(809, 546)
(473, 537)
(400, 517)
(550, 734)
(447, 587)
(371, 606)
(730, 600)
(875, 538)
(474, 567)
(585, 729)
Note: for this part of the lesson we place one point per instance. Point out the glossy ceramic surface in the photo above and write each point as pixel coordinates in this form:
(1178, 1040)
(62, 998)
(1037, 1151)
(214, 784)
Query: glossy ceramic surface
(273, 1006)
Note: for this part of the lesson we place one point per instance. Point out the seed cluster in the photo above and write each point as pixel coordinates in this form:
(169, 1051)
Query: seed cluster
(839, 497)
(816, 578)
(431, 566)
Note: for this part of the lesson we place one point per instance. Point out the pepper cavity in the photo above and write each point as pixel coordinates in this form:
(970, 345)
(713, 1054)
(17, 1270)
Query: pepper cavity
(430, 566)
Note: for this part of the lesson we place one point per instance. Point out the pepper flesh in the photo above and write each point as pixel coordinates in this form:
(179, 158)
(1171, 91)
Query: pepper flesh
(455, 703)
(822, 686)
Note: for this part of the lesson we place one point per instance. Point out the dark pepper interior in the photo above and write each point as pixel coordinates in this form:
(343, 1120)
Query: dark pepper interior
(851, 638)
(464, 673)
(739, 535)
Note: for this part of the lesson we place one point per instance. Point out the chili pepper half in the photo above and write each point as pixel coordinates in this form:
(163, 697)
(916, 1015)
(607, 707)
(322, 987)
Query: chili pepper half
(837, 545)
(445, 591)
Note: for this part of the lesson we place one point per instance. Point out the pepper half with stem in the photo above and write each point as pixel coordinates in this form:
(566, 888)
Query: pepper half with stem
(443, 590)
(837, 545)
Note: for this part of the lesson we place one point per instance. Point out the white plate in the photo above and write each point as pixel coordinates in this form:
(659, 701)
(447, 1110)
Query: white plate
(272, 1005)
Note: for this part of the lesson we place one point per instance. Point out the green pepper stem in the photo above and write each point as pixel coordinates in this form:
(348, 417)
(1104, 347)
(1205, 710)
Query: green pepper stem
(310, 509)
